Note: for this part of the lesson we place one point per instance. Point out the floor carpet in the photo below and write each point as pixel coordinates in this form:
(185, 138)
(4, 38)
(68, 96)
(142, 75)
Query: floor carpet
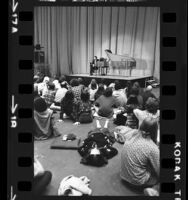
(105, 181)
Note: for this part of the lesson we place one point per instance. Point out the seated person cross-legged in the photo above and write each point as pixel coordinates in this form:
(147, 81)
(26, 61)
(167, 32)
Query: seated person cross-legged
(151, 110)
(67, 105)
(106, 104)
(140, 157)
(44, 121)
(82, 109)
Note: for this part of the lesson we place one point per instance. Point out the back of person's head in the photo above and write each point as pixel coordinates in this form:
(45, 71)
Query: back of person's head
(117, 85)
(93, 81)
(136, 84)
(108, 92)
(100, 88)
(93, 86)
(69, 96)
(62, 79)
(40, 104)
(132, 100)
(85, 96)
(152, 105)
(134, 91)
(74, 82)
(149, 127)
(51, 86)
(80, 80)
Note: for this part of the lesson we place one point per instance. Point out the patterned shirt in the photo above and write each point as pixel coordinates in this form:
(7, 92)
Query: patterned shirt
(77, 92)
(139, 158)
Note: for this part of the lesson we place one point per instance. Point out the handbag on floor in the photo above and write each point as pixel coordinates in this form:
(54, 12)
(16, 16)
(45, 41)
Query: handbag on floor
(94, 157)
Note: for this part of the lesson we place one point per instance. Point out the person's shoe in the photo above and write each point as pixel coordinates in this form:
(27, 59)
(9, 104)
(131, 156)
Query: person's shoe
(150, 192)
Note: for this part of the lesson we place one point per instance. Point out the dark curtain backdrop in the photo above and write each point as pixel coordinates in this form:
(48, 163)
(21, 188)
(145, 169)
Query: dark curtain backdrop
(71, 36)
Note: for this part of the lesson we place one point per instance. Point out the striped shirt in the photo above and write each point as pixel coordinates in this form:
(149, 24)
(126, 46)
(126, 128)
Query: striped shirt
(139, 158)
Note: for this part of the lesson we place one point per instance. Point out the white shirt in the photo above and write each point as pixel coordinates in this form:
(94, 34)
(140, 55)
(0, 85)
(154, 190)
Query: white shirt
(143, 114)
(60, 94)
(120, 97)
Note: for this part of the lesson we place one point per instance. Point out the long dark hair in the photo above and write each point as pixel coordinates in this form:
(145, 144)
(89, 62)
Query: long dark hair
(132, 103)
(68, 99)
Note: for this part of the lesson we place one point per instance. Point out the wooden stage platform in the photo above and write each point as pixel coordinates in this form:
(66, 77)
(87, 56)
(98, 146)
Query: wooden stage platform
(110, 78)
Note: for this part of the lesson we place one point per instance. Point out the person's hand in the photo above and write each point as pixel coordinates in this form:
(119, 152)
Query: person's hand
(76, 123)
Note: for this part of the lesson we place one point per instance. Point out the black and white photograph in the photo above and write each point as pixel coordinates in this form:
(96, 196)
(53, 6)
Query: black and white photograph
(96, 101)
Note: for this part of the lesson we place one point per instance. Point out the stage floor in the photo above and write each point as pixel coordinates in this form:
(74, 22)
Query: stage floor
(111, 78)
(116, 77)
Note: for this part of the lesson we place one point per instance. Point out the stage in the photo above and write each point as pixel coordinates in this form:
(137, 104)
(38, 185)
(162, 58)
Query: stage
(110, 78)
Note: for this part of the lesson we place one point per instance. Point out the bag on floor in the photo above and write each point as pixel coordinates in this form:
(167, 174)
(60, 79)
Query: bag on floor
(98, 138)
(94, 157)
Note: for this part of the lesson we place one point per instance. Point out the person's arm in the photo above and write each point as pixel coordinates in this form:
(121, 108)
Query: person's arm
(154, 157)
(138, 113)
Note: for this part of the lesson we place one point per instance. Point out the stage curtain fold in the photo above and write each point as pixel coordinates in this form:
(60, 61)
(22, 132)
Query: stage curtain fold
(71, 36)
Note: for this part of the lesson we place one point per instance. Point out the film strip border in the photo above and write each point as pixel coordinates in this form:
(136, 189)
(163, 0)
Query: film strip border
(172, 98)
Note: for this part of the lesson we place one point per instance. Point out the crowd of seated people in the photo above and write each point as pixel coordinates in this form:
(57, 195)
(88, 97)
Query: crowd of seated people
(81, 103)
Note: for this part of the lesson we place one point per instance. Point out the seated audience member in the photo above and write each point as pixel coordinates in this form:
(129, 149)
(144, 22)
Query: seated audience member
(103, 83)
(93, 87)
(41, 178)
(81, 83)
(111, 85)
(60, 94)
(152, 111)
(147, 93)
(93, 81)
(57, 84)
(49, 94)
(99, 92)
(42, 86)
(44, 121)
(106, 103)
(140, 156)
(128, 89)
(135, 92)
(82, 109)
(67, 105)
(132, 103)
(119, 94)
(75, 88)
